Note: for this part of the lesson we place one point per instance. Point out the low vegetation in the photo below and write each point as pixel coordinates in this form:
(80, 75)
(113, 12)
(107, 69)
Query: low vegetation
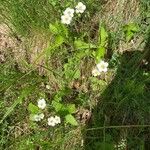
(74, 75)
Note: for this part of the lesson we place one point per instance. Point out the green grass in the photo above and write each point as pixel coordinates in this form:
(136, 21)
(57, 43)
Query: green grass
(124, 102)
(49, 53)
(26, 16)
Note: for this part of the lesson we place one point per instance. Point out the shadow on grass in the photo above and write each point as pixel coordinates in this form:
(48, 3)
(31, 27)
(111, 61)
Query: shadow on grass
(123, 112)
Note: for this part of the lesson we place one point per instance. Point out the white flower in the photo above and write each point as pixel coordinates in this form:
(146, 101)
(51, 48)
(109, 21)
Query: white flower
(41, 116)
(36, 118)
(51, 121)
(80, 8)
(66, 19)
(42, 103)
(95, 72)
(57, 119)
(102, 66)
(48, 87)
(69, 12)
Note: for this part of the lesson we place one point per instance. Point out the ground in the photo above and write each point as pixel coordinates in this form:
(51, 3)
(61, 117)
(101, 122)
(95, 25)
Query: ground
(41, 58)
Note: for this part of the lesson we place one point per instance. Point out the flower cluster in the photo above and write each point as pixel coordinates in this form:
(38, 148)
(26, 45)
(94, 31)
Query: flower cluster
(41, 104)
(100, 67)
(66, 18)
(68, 14)
(52, 121)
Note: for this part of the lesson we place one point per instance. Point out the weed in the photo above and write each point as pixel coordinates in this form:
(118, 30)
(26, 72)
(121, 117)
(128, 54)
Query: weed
(49, 97)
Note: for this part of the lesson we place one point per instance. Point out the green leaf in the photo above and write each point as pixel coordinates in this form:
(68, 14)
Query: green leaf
(59, 29)
(82, 45)
(58, 98)
(103, 36)
(98, 85)
(70, 119)
(71, 108)
(130, 30)
(70, 69)
(59, 40)
(100, 53)
(76, 74)
(63, 30)
(129, 36)
(53, 29)
(33, 108)
(82, 54)
(131, 27)
(57, 106)
(103, 39)
(52, 2)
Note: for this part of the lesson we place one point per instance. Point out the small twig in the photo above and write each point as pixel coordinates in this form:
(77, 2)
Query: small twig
(123, 126)
(46, 68)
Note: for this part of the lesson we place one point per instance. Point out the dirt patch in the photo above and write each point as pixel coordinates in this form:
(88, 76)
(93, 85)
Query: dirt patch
(116, 14)
(5, 42)
(120, 12)
(23, 51)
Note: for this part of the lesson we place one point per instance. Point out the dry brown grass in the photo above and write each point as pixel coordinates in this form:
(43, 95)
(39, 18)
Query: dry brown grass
(115, 13)
(23, 51)
(118, 12)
